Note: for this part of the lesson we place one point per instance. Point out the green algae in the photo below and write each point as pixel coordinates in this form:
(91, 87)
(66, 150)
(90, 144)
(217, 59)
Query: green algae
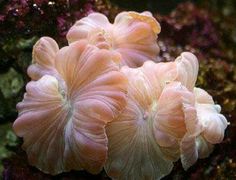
(11, 83)
(7, 140)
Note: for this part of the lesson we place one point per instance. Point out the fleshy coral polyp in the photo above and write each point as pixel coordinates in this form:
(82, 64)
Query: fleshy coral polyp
(133, 35)
(63, 115)
(104, 101)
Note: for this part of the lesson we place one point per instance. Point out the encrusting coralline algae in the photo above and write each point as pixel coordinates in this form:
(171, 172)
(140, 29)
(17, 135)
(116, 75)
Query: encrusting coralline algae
(104, 101)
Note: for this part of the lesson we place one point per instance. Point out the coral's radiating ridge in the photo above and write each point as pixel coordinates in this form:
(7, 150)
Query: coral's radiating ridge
(162, 121)
(132, 136)
(44, 53)
(147, 123)
(63, 114)
(132, 34)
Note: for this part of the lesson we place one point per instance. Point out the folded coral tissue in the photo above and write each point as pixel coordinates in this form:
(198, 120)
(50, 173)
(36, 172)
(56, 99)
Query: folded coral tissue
(104, 101)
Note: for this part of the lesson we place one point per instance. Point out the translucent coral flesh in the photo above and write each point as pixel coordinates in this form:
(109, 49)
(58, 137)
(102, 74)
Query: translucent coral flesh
(44, 52)
(162, 121)
(159, 113)
(214, 123)
(81, 107)
(133, 150)
(62, 119)
(133, 35)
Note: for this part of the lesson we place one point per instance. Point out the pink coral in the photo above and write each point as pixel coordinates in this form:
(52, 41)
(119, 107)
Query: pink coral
(63, 115)
(133, 35)
(162, 121)
(80, 105)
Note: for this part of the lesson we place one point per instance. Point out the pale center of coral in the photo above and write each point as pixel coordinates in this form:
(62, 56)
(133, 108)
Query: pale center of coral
(67, 103)
(145, 115)
(148, 114)
(109, 39)
(102, 39)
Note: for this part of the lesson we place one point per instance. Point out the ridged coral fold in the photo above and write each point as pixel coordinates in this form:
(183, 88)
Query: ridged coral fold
(144, 139)
(132, 34)
(134, 152)
(166, 118)
(44, 53)
(62, 119)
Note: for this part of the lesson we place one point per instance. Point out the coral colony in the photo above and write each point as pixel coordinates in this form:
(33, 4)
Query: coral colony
(104, 101)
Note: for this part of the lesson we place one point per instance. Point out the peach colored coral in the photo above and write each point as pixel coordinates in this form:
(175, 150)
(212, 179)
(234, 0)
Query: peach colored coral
(162, 121)
(80, 106)
(133, 35)
(63, 115)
